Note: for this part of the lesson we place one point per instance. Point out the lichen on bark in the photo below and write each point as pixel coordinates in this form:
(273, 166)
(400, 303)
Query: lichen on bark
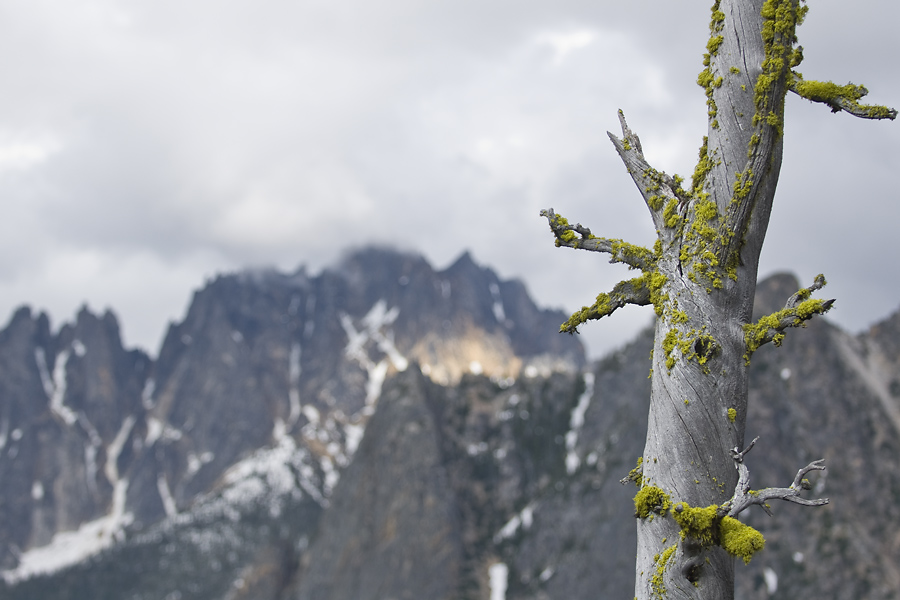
(700, 277)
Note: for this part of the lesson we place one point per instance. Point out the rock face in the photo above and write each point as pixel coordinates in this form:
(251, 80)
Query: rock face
(66, 415)
(97, 442)
(383, 430)
(825, 394)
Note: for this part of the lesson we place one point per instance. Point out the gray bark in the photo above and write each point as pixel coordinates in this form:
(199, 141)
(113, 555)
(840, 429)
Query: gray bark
(690, 435)
(701, 279)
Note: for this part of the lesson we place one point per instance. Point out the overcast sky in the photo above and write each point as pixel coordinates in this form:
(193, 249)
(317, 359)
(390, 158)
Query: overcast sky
(147, 145)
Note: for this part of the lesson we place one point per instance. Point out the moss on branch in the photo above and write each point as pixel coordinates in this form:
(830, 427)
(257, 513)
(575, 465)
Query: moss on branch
(840, 97)
(646, 289)
(740, 540)
(641, 291)
(717, 524)
(580, 237)
(799, 309)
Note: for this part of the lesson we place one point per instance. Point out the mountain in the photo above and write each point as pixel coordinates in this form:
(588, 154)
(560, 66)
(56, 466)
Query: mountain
(97, 441)
(383, 430)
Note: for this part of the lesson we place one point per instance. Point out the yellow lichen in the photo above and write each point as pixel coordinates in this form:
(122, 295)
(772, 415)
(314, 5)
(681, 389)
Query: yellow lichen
(706, 79)
(841, 96)
(740, 540)
(636, 474)
(657, 582)
(757, 334)
(651, 499)
(697, 523)
(691, 345)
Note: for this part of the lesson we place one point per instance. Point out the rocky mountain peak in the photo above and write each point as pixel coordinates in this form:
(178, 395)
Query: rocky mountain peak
(261, 359)
(383, 428)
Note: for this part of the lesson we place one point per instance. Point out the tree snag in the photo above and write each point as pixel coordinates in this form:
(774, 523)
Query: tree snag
(700, 278)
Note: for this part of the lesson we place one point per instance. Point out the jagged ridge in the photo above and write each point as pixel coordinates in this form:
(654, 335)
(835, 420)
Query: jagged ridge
(458, 487)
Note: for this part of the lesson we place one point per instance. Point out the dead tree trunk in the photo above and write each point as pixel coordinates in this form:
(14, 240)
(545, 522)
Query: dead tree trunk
(701, 279)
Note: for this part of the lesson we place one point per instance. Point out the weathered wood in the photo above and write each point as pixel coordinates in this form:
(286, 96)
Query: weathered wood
(701, 279)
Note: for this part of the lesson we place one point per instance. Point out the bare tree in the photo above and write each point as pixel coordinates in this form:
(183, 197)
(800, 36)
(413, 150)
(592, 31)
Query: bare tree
(700, 278)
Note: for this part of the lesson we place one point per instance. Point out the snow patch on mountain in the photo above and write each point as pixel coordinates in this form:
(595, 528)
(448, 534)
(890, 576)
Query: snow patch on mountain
(497, 306)
(294, 385)
(55, 385)
(375, 329)
(71, 547)
(523, 520)
(576, 421)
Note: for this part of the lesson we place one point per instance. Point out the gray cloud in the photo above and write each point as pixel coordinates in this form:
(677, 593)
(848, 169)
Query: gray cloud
(145, 146)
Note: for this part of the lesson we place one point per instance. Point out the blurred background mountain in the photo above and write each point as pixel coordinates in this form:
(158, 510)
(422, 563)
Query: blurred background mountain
(384, 430)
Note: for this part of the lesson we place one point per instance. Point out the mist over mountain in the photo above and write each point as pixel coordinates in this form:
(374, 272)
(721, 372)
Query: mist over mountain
(385, 430)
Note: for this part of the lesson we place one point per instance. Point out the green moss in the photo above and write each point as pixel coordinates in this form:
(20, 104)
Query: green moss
(671, 218)
(706, 229)
(734, 537)
(828, 92)
(650, 282)
(703, 525)
(706, 79)
(743, 183)
(703, 232)
(810, 307)
(694, 345)
(740, 540)
(636, 474)
(656, 282)
(651, 499)
(704, 213)
(558, 221)
(698, 523)
(880, 112)
(780, 20)
(668, 345)
(601, 307)
(756, 334)
(631, 253)
(658, 580)
(732, 414)
(704, 166)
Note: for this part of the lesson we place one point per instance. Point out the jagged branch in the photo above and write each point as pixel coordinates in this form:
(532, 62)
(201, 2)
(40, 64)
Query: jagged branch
(633, 291)
(840, 97)
(744, 497)
(580, 237)
(799, 309)
(661, 192)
